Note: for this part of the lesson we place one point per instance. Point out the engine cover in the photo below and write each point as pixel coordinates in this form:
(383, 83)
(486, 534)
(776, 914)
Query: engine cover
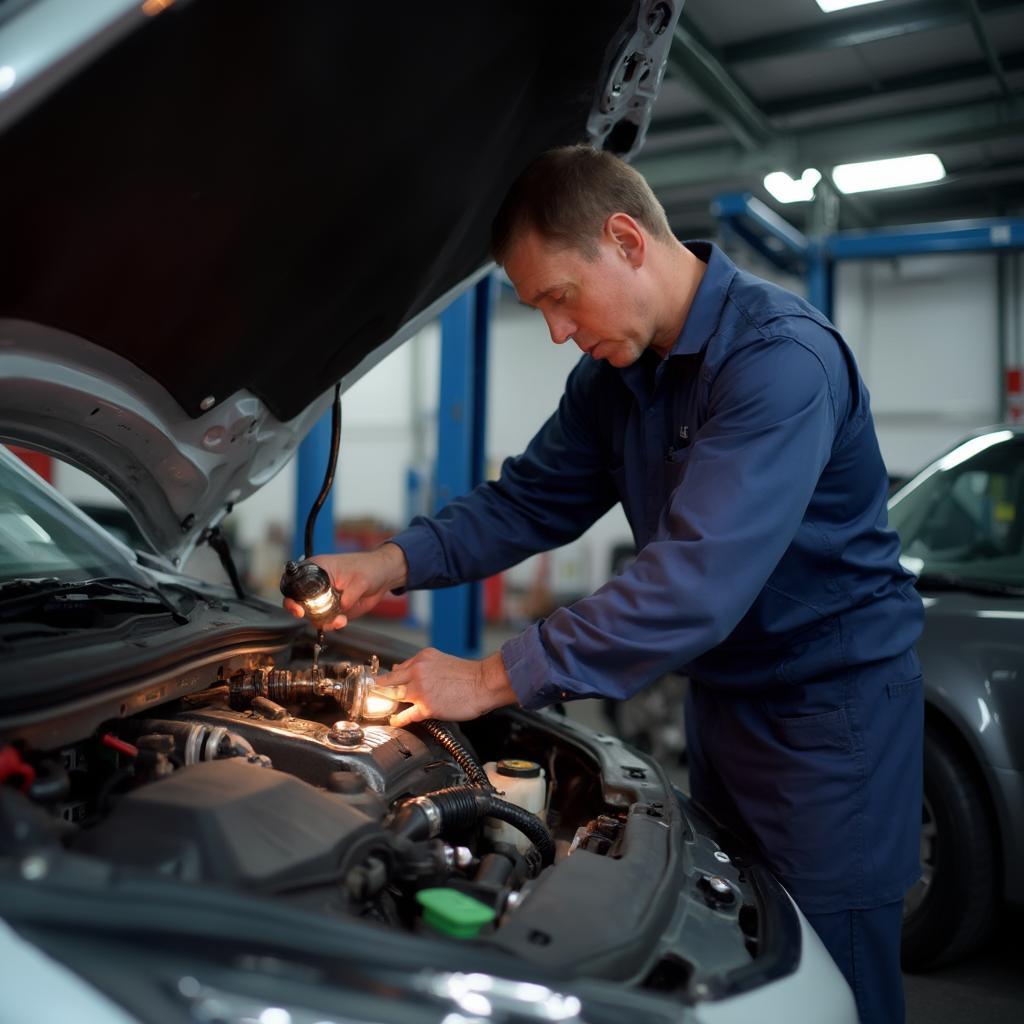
(237, 824)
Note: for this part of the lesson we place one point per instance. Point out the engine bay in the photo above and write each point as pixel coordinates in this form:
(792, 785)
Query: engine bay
(518, 830)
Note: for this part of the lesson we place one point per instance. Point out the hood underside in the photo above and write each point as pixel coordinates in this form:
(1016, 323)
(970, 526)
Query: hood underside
(243, 201)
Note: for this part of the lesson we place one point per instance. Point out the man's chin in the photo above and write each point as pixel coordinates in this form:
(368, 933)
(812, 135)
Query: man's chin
(620, 356)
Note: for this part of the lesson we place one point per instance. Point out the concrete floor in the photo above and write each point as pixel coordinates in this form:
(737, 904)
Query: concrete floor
(986, 988)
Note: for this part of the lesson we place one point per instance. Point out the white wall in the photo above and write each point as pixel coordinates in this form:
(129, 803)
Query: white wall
(924, 331)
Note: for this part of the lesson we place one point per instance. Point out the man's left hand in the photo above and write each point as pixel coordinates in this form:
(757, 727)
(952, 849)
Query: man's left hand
(441, 686)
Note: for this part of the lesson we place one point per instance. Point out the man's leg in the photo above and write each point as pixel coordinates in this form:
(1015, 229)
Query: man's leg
(827, 777)
(866, 946)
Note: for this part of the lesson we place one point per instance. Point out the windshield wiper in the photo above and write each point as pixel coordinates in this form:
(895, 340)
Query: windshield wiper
(21, 593)
(954, 581)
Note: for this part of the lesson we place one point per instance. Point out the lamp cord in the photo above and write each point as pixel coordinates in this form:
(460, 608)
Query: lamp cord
(332, 461)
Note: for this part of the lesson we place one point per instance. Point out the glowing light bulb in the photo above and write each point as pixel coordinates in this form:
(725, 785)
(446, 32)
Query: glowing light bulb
(321, 604)
(379, 706)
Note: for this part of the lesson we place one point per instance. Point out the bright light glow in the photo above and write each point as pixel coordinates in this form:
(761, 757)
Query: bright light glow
(786, 190)
(973, 447)
(321, 603)
(7, 77)
(475, 1002)
(828, 6)
(379, 707)
(912, 564)
(961, 453)
(28, 522)
(275, 1015)
(986, 715)
(871, 175)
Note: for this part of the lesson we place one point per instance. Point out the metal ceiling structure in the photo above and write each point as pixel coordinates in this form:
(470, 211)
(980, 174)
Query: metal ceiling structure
(784, 86)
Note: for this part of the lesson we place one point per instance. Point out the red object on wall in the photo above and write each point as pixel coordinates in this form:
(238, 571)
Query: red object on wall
(1014, 394)
(42, 464)
(494, 598)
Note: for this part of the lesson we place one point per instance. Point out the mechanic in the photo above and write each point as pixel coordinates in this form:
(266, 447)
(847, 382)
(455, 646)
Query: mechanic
(728, 417)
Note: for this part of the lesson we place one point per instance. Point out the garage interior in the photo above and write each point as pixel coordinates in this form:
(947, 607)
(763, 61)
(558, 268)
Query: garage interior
(763, 113)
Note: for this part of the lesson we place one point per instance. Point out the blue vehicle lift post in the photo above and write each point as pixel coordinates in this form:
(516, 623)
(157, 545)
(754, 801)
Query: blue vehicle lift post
(457, 612)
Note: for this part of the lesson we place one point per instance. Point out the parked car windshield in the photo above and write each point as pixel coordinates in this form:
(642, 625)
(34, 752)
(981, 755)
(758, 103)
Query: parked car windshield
(41, 535)
(965, 514)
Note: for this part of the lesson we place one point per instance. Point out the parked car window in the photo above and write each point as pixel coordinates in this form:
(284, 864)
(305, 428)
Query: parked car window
(40, 537)
(968, 519)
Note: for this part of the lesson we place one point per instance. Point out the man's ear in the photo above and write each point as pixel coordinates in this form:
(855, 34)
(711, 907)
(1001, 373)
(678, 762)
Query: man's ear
(628, 237)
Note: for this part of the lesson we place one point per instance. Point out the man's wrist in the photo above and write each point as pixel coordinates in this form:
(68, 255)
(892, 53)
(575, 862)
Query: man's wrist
(496, 682)
(396, 566)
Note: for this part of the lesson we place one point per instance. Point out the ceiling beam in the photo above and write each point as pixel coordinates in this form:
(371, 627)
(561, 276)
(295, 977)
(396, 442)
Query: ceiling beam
(985, 42)
(891, 87)
(824, 147)
(692, 58)
(855, 29)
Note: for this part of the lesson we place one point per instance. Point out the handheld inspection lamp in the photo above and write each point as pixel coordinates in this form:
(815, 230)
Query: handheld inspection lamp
(308, 585)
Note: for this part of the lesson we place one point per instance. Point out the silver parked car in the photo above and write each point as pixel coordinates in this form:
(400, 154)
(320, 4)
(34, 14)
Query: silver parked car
(212, 212)
(961, 523)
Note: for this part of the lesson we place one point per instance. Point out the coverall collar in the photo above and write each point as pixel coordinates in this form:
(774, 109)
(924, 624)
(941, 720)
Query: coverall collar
(701, 322)
(706, 309)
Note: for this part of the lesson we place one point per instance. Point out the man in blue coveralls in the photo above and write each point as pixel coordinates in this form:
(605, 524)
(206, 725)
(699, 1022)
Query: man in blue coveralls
(728, 417)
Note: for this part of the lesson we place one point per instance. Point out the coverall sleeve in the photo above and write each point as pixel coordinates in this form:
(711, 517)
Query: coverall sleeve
(545, 497)
(745, 485)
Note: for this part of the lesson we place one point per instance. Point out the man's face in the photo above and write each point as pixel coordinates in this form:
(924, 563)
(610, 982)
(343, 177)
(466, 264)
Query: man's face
(599, 304)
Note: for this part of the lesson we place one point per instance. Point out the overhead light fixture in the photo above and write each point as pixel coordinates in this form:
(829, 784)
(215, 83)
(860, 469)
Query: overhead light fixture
(828, 6)
(787, 190)
(899, 171)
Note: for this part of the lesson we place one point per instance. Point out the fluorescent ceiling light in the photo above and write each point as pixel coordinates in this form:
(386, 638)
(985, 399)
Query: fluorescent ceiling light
(876, 174)
(786, 190)
(828, 6)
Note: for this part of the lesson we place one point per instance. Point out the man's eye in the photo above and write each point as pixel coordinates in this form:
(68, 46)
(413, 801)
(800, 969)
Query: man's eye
(558, 299)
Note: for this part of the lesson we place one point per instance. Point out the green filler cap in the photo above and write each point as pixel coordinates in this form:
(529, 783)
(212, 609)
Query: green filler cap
(451, 912)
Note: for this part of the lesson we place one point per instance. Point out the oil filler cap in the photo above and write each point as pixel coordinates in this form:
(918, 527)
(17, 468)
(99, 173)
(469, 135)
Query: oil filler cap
(453, 913)
(517, 769)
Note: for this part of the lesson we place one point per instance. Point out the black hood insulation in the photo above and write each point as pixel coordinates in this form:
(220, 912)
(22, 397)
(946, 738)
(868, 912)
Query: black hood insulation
(257, 194)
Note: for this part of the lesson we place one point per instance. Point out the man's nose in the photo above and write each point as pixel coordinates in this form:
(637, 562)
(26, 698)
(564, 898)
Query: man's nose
(561, 328)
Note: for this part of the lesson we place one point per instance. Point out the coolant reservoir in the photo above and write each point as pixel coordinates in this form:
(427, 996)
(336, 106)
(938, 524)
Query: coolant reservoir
(521, 783)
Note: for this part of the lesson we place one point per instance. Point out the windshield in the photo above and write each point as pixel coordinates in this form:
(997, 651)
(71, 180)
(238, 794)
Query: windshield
(41, 535)
(964, 516)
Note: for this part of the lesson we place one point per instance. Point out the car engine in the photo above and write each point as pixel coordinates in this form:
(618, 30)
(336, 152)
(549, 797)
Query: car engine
(289, 783)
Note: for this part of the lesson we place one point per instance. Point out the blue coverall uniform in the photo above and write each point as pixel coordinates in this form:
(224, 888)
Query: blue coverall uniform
(749, 470)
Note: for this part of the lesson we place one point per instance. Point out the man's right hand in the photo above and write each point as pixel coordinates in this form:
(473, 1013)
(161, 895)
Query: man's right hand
(362, 579)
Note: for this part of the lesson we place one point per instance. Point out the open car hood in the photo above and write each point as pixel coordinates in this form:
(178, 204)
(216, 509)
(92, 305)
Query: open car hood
(215, 210)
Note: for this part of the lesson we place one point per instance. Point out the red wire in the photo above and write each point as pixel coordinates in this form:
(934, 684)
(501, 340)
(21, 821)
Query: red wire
(11, 763)
(110, 740)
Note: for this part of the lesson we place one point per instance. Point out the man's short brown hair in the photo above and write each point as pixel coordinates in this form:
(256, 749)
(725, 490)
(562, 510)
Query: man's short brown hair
(567, 194)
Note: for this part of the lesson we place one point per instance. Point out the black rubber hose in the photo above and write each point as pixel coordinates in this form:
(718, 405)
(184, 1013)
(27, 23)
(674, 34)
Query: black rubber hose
(529, 824)
(332, 462)
(460, 806)
(463, 758)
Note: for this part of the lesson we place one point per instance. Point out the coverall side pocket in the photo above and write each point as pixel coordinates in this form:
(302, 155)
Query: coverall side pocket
(904, 688)
(829, 730)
